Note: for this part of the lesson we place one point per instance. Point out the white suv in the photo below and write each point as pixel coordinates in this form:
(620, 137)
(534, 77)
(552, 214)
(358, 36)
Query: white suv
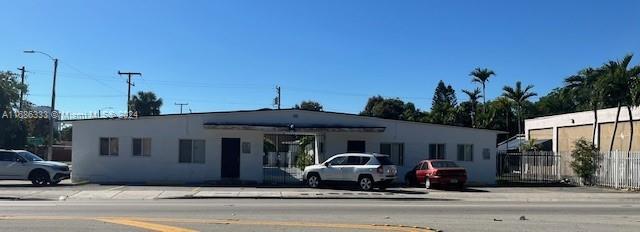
(23, 165)
(365, 169)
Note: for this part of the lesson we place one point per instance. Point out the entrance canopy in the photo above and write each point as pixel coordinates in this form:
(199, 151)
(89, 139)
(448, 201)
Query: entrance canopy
(293, 127)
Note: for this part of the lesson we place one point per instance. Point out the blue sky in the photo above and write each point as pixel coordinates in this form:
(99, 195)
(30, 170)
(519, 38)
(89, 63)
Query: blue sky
(229, 55)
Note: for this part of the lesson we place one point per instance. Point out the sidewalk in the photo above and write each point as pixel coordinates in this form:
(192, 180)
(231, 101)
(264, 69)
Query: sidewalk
(249, 193)
(100, 192)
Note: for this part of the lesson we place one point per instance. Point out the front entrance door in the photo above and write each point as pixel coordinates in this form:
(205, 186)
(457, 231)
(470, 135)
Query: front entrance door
(230, 163)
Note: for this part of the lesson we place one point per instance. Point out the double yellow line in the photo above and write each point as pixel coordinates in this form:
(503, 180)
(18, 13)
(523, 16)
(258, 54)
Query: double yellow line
(151, 224)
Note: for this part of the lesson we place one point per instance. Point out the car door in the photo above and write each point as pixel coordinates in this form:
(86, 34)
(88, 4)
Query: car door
(332, 171)
(350, 168)
(421, 172)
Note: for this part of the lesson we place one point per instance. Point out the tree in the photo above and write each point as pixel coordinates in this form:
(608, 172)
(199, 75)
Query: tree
(443, 105)
(615, 88)
(13, 131)
(519, 96)
(481, 76)
(146, 103)
(584, 163)
(309, 105)
(410, 112)
(473, 95)
(582, 87)
(66, 134)
(391, 108)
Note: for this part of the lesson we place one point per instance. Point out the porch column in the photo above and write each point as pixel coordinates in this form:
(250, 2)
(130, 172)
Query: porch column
(316, 146)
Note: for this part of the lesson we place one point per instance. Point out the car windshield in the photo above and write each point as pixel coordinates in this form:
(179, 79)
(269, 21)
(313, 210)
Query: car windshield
(30, 156)
(384, 160)
(443, 164)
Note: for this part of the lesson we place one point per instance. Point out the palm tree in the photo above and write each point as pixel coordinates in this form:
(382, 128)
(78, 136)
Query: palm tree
(146, 103)
(474, 95)
(519, 97)
(582, 86)
(481, 76)
(616, 85)
(620, 86)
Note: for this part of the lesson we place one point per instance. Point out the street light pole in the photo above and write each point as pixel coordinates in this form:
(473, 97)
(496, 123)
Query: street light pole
(53, 104)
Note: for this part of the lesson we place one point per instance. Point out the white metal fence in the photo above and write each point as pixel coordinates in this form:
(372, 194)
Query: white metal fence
(618, 169)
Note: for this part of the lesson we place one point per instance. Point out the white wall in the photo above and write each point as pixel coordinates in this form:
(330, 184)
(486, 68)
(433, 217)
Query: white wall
(162, 165)
(165, 131)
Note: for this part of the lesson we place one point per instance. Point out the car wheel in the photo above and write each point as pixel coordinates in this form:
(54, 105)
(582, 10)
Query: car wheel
(365, 183)
(427, 183)
(313, 181)
(40, 178)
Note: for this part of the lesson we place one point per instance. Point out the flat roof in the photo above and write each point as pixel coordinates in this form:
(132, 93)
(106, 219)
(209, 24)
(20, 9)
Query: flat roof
(292, 109)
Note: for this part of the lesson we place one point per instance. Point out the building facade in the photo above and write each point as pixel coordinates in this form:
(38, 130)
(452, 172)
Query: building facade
(263, 146)
(564, 129)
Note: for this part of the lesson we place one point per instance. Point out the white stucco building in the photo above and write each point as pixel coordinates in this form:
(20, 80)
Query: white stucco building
(263, 146)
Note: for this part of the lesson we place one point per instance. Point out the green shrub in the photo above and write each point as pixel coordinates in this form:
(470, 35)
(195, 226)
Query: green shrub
(584, 159)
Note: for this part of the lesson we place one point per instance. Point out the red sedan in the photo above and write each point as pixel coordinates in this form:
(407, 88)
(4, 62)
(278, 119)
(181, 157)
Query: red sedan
(437, 172)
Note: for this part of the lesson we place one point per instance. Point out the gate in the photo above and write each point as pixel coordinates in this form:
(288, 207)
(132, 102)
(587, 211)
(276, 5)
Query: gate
(285, 157)
(528, 167)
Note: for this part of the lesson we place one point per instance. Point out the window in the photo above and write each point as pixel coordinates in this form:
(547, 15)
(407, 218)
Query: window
(424, 166)
(465, 152)
(109, 146)
(364, 160)
(8, 156)
(395, 152)
(357, 160)
(246, 147)
(338, 160)
(437, 151)
(444, 164)
(486, 153)
(353, 160)
(356, 146)
(191, 151)
(141, 146)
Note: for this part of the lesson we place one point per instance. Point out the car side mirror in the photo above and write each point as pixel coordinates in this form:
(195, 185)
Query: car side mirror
(327, 164)
(20, 160)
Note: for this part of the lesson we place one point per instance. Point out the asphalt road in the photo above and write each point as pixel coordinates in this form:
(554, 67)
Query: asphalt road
(315, 215)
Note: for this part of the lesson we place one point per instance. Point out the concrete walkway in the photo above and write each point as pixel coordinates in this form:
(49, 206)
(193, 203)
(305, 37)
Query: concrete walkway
(147, 194)
(13, 190)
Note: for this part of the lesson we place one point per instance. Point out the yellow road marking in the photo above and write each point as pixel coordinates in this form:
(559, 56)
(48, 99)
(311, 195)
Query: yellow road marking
(142, 222)
(144, 225)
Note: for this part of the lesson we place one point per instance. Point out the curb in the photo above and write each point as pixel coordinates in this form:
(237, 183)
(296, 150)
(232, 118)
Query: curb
(302, 198)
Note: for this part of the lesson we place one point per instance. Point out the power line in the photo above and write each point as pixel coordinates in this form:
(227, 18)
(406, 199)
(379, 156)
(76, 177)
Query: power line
(89, 76)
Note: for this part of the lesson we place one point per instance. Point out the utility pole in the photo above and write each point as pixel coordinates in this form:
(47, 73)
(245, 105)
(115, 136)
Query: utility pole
(129, 84)
(181, 105)
(22, 83)
(277, 100)
(52, 117)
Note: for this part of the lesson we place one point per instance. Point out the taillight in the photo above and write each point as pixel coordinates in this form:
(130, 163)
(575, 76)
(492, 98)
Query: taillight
(380, 169)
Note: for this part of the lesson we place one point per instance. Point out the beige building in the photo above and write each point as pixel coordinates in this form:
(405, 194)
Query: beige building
(565, 129)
